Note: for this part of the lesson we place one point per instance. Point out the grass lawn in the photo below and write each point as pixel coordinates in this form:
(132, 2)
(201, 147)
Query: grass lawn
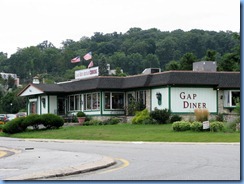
(128, 132)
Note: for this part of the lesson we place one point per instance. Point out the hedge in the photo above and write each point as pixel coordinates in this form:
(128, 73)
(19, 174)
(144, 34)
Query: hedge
(20, 124)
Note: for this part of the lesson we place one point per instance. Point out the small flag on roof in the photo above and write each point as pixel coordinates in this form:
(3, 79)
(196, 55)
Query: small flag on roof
(87, 56)
(75, 60)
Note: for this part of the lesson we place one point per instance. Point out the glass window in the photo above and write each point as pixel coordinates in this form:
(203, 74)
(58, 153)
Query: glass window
(107, 100)
(71, 103)
(88, 101)
(77, 102)
(114, 100)
(231, 98)
(235, 97)
(33, 109)
(91, 101)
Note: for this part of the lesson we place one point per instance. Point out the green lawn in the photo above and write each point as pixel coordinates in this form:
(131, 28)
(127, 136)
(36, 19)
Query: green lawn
(129, 132)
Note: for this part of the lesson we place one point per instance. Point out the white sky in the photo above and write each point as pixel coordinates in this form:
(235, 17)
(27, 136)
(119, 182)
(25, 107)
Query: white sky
(29, 22)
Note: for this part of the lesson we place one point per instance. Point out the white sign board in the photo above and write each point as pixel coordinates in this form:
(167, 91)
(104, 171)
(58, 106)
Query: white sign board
(87, 73)
(205, 125)
(187, 99)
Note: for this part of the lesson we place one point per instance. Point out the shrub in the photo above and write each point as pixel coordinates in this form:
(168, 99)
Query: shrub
(230, 126)
(33, 120)
(219, 117)
(181, 126)
(150, 121)
(216, 126)
(140, 116)
(14, 126)
(52, 120)
(161, 116)
(112, 121)
(196, 126)
(201, 114)
(81, 114)
(175, 118)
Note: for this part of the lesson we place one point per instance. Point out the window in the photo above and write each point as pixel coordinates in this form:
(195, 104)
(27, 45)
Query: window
(141, 97)
(231, 98)
(92, 101)
(33, 107)
(114, 100)
(74, 102)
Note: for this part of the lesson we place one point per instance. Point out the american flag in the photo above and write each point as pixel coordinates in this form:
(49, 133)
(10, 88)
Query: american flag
(90, 64)
(75, 60)
(87, 56)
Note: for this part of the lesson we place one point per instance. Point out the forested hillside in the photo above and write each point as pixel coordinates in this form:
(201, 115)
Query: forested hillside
(132, 51)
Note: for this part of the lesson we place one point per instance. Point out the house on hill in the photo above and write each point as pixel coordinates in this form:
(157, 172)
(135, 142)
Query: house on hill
(103, 96)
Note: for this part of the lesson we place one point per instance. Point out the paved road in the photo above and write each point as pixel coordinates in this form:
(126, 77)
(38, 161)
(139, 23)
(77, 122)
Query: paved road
(142, 161)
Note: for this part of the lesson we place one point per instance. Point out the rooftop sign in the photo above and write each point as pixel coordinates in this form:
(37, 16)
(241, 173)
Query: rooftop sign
(87, 73)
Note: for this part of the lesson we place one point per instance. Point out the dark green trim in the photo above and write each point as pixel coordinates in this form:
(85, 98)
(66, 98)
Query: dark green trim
(48, 105)
(101, 103)
(217, 101)
(169, 98)
(40, 103)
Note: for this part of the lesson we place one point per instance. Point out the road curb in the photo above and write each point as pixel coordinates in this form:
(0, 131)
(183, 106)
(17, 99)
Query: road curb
(126, 142)
(76, 169)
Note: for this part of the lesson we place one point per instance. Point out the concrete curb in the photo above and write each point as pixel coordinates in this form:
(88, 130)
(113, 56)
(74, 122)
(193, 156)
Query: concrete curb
(127, 142)
(76, 169)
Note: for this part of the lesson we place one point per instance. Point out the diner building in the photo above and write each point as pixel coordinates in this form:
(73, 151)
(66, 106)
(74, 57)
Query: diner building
(104, 96)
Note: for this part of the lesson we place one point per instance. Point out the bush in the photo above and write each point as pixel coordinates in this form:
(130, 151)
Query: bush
(216, 126)
(33, 120)
(175, 118)
(161, 116)
(149, 121)
(230, 126)
(220, 117)
(181, 126)
(196, 126)
(112, 121)
(91, 122)
(14, 126)
(52, 120)
(201, 114)
(81, 114)
(140, 117)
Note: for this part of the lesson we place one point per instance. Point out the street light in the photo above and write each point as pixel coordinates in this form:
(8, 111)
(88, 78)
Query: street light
(11, 107)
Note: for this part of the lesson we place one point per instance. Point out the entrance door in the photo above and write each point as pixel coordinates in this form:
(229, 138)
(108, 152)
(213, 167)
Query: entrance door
(61, 106)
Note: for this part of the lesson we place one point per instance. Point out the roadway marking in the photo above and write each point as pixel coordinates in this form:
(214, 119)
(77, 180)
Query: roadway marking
(125, 164)
(2, 153)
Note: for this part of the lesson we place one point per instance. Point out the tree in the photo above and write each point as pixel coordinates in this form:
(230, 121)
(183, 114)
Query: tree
(151, 61)
(172, 65)
(210, 55)
(103, 69)
(187, 60)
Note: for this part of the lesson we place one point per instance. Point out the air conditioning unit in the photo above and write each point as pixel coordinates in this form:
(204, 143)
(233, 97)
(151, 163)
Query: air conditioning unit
(151, 70)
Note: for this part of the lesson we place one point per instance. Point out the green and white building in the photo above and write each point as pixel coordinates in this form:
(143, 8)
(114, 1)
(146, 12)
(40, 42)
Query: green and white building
(102, 96)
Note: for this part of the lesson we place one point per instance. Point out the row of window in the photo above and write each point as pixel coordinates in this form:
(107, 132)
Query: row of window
(116, 100)
(91, 101)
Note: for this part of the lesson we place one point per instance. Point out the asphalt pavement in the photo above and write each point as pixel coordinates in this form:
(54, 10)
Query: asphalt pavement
(32, 163)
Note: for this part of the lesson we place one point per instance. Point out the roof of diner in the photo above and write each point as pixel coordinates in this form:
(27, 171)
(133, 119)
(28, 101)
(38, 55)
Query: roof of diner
(221, 80)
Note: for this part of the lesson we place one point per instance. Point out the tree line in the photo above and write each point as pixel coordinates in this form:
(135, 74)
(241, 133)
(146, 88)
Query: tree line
(132, 52)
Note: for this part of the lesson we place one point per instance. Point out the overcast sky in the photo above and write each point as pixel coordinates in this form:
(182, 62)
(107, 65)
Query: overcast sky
(27, 23)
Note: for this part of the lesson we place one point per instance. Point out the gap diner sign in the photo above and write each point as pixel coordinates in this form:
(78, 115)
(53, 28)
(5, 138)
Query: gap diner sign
(87, 73)
(188, 99)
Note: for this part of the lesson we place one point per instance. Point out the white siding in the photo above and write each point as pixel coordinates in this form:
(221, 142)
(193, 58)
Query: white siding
(53, 104)
(165, 98)
(185, 100)
(31, 90)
